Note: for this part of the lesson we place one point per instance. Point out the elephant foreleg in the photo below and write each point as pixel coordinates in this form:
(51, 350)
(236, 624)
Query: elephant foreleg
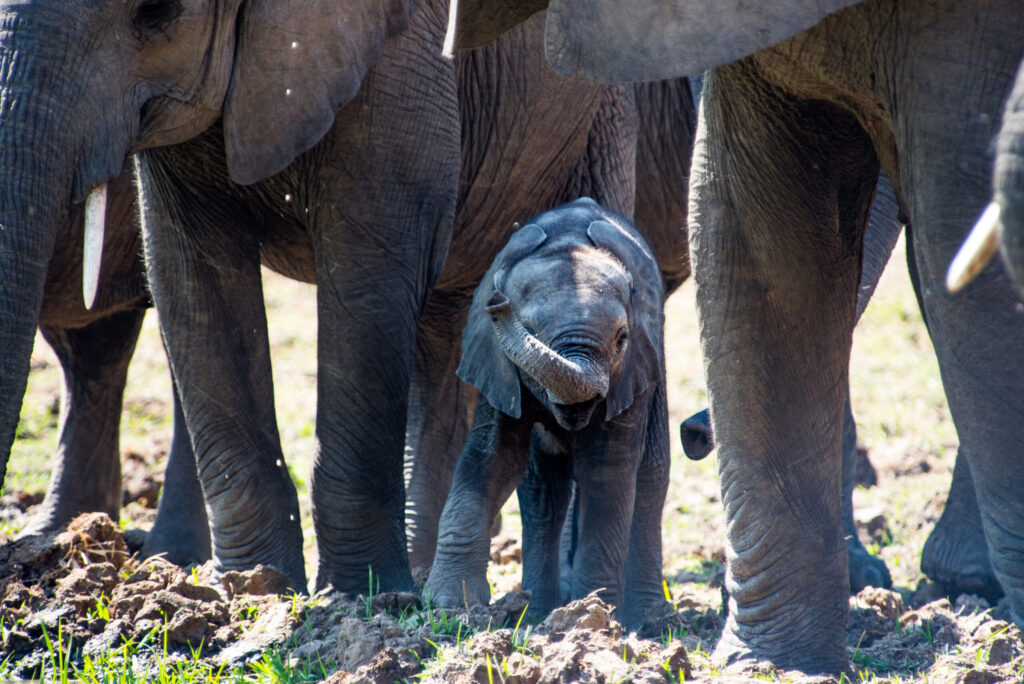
(204, 268)
(490, 467)
(87, 468)
(780, 194)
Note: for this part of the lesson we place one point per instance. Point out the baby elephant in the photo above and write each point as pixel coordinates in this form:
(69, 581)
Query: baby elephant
(564, 342)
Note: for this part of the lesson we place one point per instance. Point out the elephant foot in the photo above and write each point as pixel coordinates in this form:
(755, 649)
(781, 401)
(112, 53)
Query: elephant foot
(654, 621)
(181, 546)
(866, 570)
(444, 591)
(52, 516)
(737, 653)
(955, 557)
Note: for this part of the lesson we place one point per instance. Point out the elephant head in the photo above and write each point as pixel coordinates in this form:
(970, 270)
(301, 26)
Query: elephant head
(571, 308)
(85, 84)
(611, 40)
(1001, 226)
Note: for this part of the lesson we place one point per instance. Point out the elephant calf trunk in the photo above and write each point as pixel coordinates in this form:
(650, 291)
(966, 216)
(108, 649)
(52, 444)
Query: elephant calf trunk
(569, 382)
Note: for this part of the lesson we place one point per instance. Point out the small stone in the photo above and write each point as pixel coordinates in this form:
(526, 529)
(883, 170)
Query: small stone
(259, 581)
(676, 658)
(980, 677)
(888, 604)
(498, 644)
(1000, 651)
(872, 523)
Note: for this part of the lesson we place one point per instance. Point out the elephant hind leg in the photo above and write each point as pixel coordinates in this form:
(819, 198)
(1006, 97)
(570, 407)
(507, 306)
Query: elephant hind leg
(87, 469)
(956, 556)
(440, 412)
(181, 531)
(865, 570)
(544, 497)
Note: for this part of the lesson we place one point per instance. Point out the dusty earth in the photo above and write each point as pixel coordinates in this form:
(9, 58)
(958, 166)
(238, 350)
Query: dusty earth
(84, 591)
(85, 594)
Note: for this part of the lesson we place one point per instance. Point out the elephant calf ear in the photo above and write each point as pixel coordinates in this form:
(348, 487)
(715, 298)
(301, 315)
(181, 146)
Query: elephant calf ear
(298, 62)
(644, 365)
(484, 363)
(472, 23)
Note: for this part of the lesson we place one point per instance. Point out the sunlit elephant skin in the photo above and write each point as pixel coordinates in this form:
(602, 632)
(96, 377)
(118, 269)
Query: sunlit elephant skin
(564, 343)
(94, 347)
(790, 141)
(525, 143)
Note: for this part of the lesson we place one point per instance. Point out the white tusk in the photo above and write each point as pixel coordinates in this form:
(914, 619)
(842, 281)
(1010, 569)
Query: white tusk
(978, 249)
(448, 50)
(92, 251)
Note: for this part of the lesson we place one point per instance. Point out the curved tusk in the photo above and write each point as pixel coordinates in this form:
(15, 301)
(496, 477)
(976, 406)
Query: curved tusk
(92, 250)
(448, 49)
(978, 249)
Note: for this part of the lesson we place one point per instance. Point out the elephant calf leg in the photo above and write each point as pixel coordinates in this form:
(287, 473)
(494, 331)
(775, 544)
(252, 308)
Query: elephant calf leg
(87, 472)
(492, 463)
(544, 497)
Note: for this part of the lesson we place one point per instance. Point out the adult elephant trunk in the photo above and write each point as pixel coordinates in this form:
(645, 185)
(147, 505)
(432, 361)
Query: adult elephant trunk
(34, 192)
(1009, 181)
(1001, 226)
(567, 381)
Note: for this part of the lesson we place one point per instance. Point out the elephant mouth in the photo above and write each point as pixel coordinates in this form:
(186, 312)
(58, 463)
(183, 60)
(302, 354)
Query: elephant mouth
(574, 417)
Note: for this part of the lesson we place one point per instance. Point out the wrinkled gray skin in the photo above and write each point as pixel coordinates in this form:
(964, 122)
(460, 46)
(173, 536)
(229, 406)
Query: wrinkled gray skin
(789, 146)
(564, 342)
(361, 200)
(1008, 181)
(94, 347)
(955, 555)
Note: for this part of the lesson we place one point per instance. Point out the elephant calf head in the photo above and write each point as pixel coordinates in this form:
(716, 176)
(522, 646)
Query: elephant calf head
(571, 309)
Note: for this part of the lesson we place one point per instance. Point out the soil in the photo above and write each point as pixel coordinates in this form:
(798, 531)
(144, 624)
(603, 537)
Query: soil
(84, 587)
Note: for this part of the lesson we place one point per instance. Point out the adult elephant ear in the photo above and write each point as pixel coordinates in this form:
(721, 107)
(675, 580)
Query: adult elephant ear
(472, 23)
(484, 362)
(644, 40)
(297, 62)
(644, 365)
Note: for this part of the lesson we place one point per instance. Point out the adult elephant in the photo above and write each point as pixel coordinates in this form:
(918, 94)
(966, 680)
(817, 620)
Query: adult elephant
(790, 141)
(94, 345)
(360, 198)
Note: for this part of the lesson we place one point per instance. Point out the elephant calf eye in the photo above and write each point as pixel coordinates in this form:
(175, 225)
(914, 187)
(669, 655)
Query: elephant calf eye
(154, 16)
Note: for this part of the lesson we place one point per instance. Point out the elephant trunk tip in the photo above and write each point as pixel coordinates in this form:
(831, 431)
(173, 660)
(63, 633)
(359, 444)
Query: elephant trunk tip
(498, 304)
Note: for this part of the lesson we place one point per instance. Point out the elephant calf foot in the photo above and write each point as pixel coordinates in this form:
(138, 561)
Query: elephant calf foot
(866, 570)
(955, 557)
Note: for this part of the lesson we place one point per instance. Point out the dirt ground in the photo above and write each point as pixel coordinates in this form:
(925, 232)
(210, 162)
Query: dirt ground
(83, 593)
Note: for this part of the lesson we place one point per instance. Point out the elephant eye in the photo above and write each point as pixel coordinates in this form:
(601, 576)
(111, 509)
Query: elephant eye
(620, 340)
(154, 16)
